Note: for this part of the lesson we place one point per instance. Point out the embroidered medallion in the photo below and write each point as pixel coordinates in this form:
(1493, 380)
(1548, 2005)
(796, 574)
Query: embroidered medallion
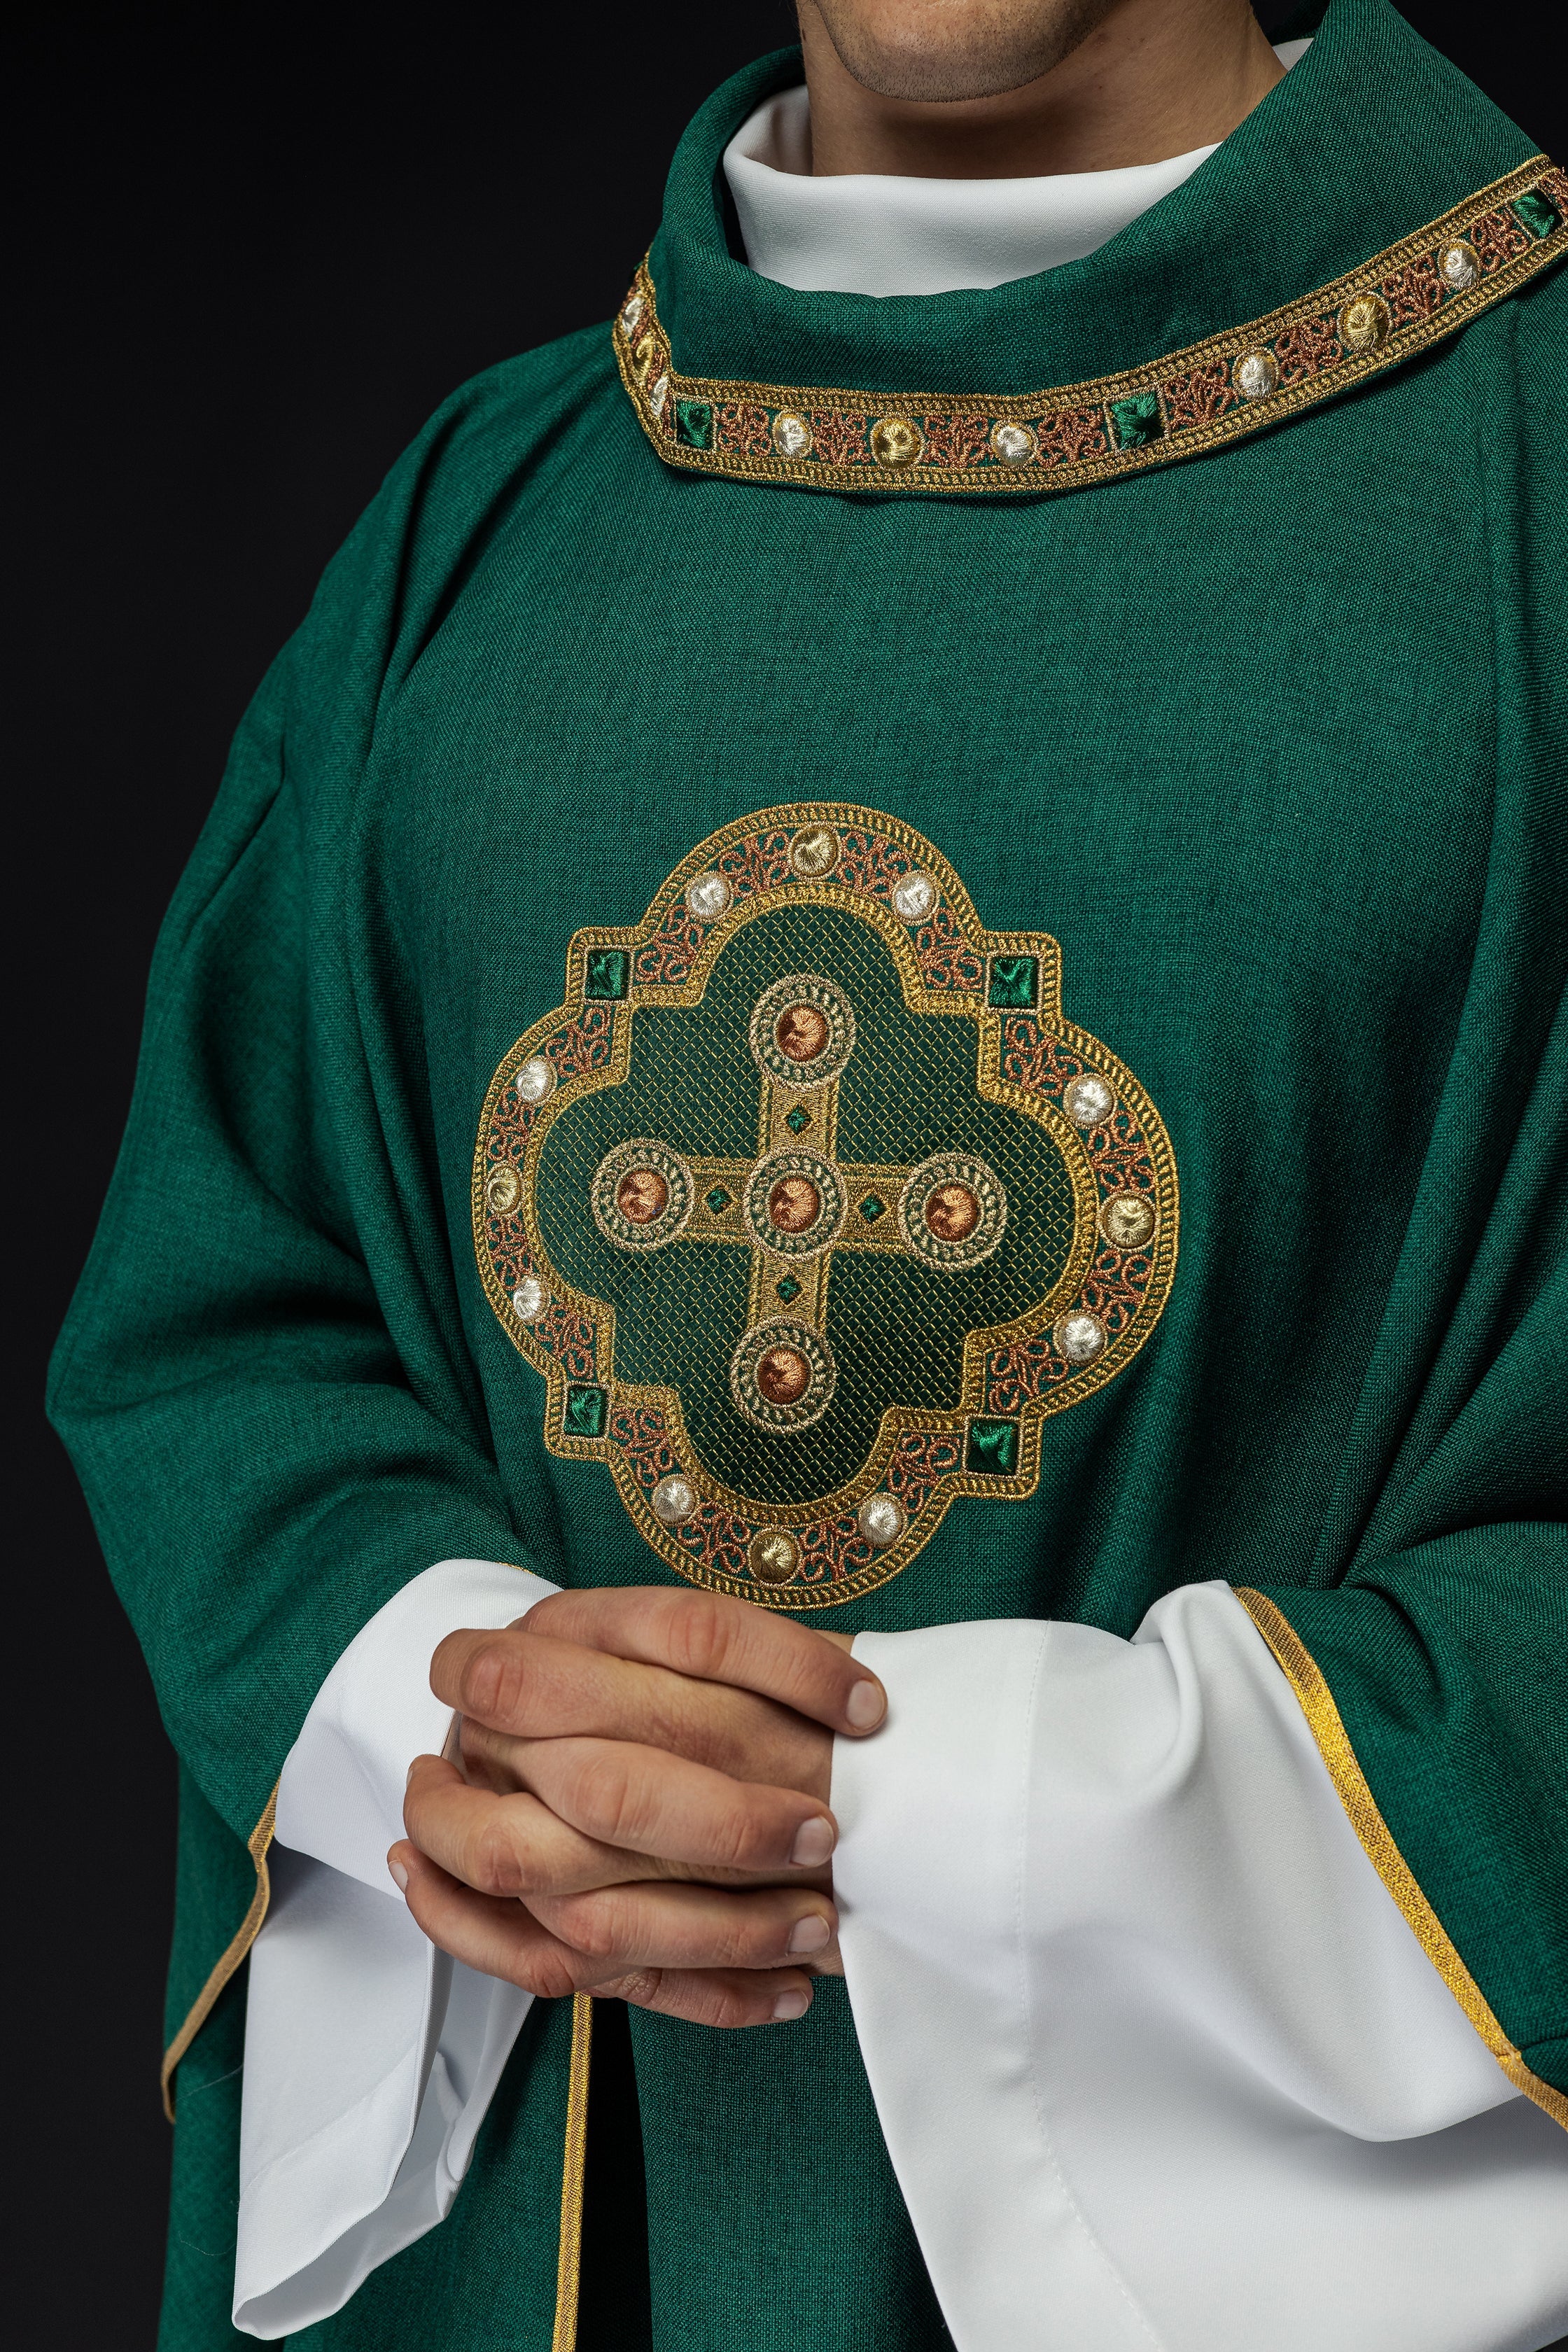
(812, 1208)
(1176, 406)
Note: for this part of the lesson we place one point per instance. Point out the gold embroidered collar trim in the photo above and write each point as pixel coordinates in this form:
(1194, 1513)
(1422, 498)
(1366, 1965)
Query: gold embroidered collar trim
(1396, 304)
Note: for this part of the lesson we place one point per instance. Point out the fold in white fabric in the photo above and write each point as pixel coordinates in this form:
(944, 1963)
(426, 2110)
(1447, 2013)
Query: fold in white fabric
(1182, 2076)
(878, 233)
(370, 2057)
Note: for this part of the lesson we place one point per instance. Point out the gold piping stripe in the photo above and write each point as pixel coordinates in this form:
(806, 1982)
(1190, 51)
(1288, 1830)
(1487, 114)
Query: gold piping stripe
(249, 1927)
(1327, 1727)
(1396, 304)
(569, 2264)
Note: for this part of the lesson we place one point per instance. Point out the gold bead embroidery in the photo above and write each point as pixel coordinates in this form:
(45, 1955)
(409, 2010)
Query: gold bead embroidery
(774, 1557)
(1363, 322)
(813, 852)
(1127, 1219)
(895, 443)
(504, 1190)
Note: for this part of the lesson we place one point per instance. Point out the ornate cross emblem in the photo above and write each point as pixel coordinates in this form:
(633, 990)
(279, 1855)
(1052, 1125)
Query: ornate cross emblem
(811, 1208)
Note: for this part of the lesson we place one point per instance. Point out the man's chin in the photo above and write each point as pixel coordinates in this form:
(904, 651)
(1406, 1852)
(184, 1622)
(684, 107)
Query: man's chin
(967, 50)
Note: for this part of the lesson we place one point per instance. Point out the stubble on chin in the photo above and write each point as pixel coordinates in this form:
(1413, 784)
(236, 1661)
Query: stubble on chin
(947, 51)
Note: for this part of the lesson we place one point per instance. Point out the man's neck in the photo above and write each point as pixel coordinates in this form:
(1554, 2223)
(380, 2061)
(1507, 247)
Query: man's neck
(1156, 77)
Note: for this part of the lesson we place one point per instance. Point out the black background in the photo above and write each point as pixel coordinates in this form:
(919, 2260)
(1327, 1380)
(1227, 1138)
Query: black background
(260, 244)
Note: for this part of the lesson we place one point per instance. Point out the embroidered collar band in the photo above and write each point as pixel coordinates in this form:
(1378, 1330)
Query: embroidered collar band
(1372, 204)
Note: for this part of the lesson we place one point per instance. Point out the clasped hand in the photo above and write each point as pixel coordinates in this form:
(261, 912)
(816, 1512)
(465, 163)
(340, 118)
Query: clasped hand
(637, 1802)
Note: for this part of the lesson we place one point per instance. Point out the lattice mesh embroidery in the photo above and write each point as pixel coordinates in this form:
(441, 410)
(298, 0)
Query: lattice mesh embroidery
(897, 1325)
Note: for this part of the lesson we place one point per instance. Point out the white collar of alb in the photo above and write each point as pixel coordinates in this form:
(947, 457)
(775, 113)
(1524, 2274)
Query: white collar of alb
(872, 233)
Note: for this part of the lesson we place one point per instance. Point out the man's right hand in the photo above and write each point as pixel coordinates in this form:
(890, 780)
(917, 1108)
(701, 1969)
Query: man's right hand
(642, 1810)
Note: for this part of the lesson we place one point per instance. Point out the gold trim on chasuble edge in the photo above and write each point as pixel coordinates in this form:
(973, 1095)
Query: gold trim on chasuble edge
(573, 2175)
(244, 1935)
(1395, 305)
(1327, 1727)
(1073, 1254)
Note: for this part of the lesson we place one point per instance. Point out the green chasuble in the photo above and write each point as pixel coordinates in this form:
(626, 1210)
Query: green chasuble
(829, 972)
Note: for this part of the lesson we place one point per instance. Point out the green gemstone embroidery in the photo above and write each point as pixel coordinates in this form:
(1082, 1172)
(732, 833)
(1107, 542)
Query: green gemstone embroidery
(585, 1411)
(1015, 982)
(718, 1200)
(1136, 421)
(992, 1446)
(788, 1288)
(1535, 209)
(799, 1120)
(605, 973)
(871, 1208)
(694, 423)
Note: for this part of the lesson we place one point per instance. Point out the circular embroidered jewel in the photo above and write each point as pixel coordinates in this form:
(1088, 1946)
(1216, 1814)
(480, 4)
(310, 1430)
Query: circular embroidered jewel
(1459, 264)
(535, 1080)
(896, 442)
(528, 1298)
(631, 316)
(774, 1555)
(503, 1189)
(802, 1031)
(1079, 1336)
(781, 1376)
(1089, 1100)
(953, 1212)
(813, 852)
(1127, 1221)
(914, 898)
(1256, 375)
(792, 435)
(706, 896)
(1014, 443)
(674, 1500)
(881, 1519)
(641, 1195)
(1363, 322)
(794, 1204)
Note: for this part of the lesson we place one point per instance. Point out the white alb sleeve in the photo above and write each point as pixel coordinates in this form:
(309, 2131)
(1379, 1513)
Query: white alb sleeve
(370, 2056)
(1157, 2058)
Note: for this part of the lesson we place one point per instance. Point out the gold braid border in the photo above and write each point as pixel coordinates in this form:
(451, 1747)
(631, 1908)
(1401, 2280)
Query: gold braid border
(574, 2170)
(249, 1927)
(1396, 304)
(1327, 1727)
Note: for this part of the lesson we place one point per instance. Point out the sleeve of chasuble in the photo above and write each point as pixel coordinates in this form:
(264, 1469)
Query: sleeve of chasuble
(264, 1381)
(1244, 1943)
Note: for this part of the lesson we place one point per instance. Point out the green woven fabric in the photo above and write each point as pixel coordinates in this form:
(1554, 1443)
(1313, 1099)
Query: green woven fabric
(1269, 740)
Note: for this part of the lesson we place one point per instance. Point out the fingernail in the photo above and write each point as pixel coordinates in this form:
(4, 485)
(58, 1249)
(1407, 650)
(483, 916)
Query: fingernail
(790, 2005)
(810, 1934)
(400, 1874)
(813, 1844)
(866, 1704)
